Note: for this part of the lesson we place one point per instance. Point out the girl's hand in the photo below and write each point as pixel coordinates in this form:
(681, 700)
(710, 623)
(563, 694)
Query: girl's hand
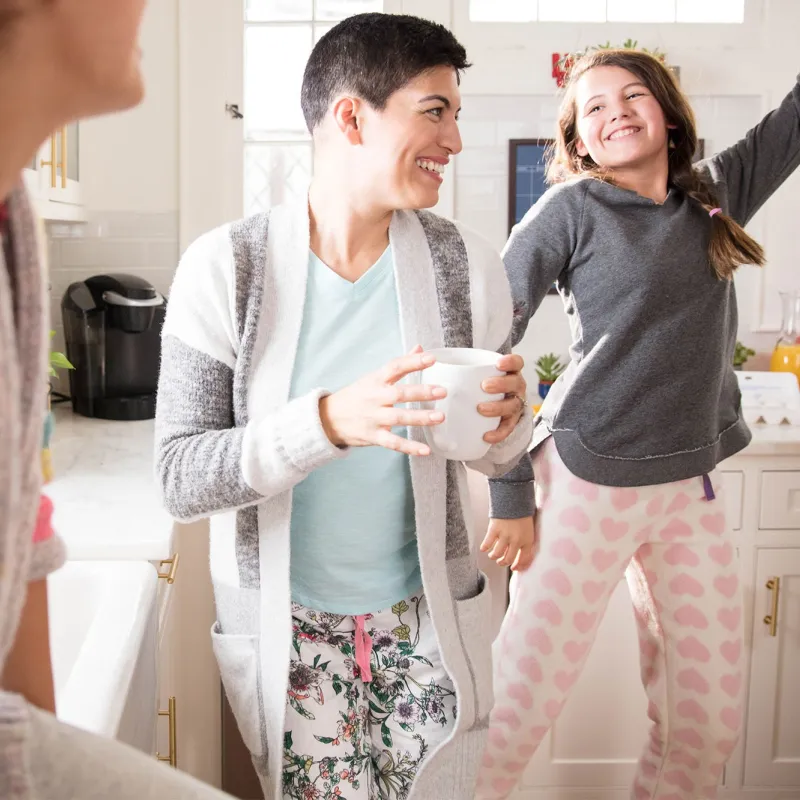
(510, 542)
(364, 413)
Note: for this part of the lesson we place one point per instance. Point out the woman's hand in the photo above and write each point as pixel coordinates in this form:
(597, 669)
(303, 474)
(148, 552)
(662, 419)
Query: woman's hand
(364, 413)
(514, 387)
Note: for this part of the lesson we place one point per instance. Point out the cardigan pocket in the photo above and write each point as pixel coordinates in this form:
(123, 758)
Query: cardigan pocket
(239, 668)
(474, 621)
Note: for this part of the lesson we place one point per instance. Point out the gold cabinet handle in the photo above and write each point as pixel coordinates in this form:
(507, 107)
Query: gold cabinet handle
(64, 157)
(771, 620)
(52, 163)
(172, 758)
(169, 577)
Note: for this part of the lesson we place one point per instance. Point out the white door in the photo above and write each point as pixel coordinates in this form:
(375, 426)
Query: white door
(244, 144)
(600, 734)
(772, 747)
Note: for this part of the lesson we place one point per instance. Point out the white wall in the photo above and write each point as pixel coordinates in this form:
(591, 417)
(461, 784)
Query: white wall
(732, 73)
(129, 161)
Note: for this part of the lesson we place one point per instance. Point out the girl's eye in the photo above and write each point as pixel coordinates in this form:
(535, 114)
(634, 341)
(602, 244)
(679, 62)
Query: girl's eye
(635, 94)
(593, 109)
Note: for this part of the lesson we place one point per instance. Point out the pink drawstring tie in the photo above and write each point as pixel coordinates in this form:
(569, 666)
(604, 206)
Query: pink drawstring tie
(363, 649)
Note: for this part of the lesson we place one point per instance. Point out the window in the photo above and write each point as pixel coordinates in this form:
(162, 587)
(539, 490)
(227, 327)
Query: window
(694, 11)
(710, 10)
(572, 10)
(502, 10)
(278, 38)
(637, 11)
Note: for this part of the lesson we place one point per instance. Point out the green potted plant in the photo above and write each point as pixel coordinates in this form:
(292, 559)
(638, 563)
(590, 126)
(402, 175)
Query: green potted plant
(548, 368)
(740, 355)
(57, 361)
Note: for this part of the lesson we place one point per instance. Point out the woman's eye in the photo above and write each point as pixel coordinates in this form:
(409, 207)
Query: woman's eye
(437, 112)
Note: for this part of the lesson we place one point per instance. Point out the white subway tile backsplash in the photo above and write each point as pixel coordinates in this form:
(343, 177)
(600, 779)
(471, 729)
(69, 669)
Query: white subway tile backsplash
(53, 251)
(162, 255)
(124, 225)
(65, 230)
(481, 161)
(479, 133)
(161, 279)
(514, 130)
(76, 253)
(482, 193)
(106, 255)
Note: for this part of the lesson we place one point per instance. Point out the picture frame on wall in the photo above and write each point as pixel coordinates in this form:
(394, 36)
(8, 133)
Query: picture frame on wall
(526, 175)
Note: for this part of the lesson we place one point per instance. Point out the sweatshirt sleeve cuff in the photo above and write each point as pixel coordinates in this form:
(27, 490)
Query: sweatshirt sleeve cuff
(511, 500)
(300, 437)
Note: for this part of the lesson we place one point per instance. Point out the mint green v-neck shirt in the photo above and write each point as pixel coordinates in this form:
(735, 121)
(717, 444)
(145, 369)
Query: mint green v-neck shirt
(353, 534)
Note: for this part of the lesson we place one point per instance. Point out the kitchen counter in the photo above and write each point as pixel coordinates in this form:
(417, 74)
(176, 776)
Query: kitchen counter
(104, 490)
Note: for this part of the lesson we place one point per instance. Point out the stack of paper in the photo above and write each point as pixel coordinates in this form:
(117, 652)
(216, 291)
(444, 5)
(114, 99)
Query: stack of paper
(770, 398)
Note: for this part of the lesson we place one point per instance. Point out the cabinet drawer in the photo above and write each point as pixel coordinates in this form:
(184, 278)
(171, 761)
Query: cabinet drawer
(733, 484)
(780, 501)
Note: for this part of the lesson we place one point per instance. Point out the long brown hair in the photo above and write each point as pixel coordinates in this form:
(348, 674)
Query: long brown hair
(729, 246)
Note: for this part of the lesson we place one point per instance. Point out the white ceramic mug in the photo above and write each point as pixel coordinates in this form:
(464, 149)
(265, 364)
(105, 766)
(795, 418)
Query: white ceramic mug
(461, 371)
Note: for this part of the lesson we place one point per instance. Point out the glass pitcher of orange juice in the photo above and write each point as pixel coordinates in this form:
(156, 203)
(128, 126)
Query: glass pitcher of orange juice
(786, 355)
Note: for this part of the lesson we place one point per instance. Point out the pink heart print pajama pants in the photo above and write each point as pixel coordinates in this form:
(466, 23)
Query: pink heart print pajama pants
(672, 544)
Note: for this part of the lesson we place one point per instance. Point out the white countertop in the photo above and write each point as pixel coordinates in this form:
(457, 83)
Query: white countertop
(104, 490)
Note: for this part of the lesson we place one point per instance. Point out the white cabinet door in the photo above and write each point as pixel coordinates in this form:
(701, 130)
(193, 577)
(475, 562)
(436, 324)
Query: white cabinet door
(168, 635)
(772, 748)
(56, 198)
(599, 736)
(189, 670)
(733, 484)
(63, 186)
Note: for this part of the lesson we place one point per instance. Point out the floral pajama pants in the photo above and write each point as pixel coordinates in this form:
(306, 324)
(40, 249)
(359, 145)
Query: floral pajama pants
(673, 546)
(368, 699)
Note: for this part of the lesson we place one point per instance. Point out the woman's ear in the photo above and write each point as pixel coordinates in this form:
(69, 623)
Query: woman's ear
(345, 114)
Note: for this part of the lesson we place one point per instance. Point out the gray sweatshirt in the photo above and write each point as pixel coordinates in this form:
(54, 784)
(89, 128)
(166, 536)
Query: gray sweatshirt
(650, 395)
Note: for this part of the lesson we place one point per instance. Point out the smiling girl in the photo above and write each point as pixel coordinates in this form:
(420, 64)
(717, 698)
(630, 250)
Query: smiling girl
(643, 245)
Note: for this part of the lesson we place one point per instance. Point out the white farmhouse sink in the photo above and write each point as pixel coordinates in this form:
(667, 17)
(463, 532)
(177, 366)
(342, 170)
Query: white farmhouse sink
(103, 634)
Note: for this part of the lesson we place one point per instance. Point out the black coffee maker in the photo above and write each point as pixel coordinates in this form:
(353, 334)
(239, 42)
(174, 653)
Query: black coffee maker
(112, 328)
